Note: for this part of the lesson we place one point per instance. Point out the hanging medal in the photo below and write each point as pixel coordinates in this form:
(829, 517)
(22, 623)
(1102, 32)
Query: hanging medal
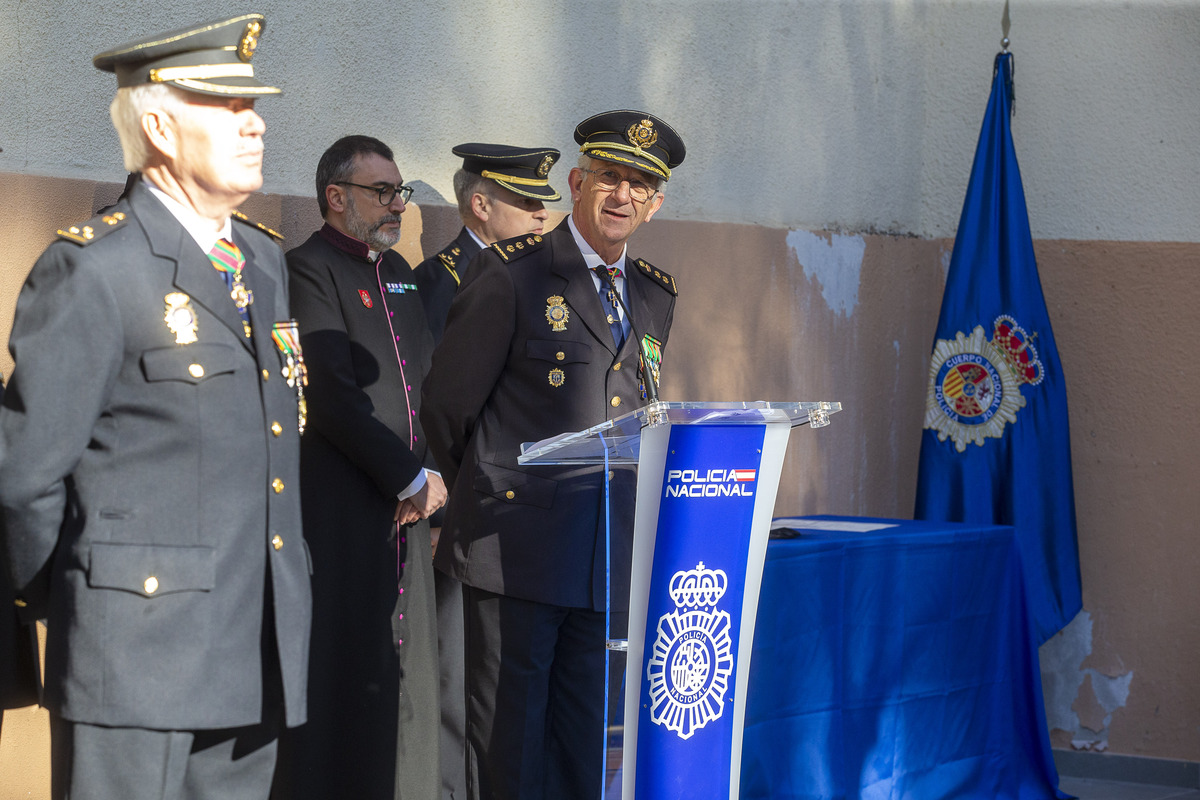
(286, 336)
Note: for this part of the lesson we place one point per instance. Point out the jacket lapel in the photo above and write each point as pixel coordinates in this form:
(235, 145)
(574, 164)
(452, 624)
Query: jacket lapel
(194, 273)
(580, 291)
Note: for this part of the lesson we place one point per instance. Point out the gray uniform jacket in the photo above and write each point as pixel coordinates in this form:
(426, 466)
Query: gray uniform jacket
(513, 368)
(150, 486)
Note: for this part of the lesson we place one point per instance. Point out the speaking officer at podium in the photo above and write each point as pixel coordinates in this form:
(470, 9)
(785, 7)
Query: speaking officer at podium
(534, 346)
(150, 471)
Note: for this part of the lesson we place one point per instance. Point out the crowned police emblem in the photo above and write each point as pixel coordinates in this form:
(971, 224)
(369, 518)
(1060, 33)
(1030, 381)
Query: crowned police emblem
(975, 383)
(692, 658)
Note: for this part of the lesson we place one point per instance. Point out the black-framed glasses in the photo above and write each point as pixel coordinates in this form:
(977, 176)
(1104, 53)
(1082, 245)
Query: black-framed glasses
(386, 193)
(609, 181)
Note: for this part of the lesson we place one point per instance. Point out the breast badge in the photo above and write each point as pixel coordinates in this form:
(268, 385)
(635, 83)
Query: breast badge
(975, 384)
(556, 313)
(652, 352)
(365, 296)
(180, 317)
(557, 377)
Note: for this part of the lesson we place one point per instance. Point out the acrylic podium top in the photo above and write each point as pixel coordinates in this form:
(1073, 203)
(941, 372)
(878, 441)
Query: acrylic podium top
(621, 437)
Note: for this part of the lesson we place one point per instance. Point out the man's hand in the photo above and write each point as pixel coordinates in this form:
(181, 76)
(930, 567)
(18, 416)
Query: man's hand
(421, 505)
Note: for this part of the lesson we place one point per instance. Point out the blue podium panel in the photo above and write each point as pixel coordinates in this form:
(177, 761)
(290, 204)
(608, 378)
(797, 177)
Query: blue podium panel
(894, 662)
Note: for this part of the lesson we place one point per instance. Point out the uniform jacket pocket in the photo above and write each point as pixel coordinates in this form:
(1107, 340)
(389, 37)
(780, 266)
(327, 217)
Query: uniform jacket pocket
(191, 364)
(514, 486)
(559, 352)
(151, 570)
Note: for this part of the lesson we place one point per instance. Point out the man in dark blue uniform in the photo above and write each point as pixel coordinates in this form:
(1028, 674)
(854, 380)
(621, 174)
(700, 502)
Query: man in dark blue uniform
(150, 471)
(535, 345)
(373, 700)
(501, 193)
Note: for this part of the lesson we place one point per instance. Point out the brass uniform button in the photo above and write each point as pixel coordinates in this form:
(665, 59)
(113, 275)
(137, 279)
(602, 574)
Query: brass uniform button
(610, 319)
(560, 355)
(150, 585)
(277, 485)
(266, 374)
(510, 494)
(610, 474)
(277, 542)
(196, 371)
(19, 602)
(616, 401)
(617, 367)
(276, 428)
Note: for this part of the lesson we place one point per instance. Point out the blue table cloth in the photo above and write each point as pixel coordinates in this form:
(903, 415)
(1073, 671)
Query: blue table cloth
(895, 663)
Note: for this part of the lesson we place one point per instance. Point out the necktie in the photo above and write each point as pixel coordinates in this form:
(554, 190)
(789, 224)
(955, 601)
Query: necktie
(227, 258)
(608, 300)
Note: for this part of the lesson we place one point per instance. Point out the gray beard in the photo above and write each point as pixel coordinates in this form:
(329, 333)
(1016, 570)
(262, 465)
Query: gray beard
(375, 239)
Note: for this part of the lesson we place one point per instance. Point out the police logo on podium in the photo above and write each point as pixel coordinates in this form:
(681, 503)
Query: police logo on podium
(689, 667)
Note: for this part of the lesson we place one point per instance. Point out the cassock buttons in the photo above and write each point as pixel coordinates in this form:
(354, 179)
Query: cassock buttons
(276, 428)
(196, 371)
(150, 585)
(616, 401)
(277, 485)
(277, 542)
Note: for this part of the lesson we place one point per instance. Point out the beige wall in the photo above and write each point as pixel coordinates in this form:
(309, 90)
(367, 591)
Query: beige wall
(777, 314)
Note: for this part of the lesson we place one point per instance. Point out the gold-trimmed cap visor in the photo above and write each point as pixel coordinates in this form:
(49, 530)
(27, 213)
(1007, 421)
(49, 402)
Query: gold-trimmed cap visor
(523, 170)
(212, 58)
(633, 138)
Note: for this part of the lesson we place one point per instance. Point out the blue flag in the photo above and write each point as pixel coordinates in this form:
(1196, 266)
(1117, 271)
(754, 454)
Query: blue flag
(996, 447)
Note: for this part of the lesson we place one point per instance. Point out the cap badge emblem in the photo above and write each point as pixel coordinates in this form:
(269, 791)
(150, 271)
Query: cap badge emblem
(642, 134)
(543, 169)
(556, 313)
(180, 317)
(249, 42)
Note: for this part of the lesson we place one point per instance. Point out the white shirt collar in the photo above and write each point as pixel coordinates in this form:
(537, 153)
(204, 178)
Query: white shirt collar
(482, 244)
(198, 227)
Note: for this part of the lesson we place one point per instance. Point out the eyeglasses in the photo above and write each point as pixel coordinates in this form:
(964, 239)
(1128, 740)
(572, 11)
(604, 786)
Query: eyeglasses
(386, 193)
(609, 181)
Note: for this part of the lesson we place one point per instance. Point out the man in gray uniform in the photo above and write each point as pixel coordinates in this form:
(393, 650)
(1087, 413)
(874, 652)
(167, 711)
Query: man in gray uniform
(150, 470)
(536, 344)
(501, 193)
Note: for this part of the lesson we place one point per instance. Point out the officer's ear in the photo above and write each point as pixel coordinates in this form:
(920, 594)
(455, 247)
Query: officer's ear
(161, 132)
(481, 206)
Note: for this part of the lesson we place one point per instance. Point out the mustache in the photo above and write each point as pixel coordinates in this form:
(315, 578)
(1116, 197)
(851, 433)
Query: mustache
(387, 220)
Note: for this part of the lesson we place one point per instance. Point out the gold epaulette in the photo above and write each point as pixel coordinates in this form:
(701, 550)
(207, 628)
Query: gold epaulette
(240, 217)
(658, 276)
(518, 246)
(95, 228)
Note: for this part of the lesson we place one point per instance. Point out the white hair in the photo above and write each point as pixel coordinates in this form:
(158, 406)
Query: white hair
(127, 109)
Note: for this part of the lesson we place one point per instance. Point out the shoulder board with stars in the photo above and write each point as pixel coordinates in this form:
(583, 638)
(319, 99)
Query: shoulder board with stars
(658, 276)
(240, 217)
(514, 248)
(97, 227)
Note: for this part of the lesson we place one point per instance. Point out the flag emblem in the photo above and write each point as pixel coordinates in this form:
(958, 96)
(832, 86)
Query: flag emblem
(743, 474)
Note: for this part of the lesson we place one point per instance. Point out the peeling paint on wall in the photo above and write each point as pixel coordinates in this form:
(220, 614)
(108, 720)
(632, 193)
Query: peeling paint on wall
(835, 262)
(1080, 702)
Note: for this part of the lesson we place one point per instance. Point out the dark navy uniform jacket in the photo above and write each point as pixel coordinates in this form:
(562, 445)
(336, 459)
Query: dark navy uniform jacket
(151, 487)
(439, 277)
(503, 375)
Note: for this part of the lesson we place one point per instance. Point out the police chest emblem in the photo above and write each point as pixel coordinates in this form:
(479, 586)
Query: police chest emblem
(556, 313)
(557, 377)
(691, 661)
(180, 317)
(975, 384)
